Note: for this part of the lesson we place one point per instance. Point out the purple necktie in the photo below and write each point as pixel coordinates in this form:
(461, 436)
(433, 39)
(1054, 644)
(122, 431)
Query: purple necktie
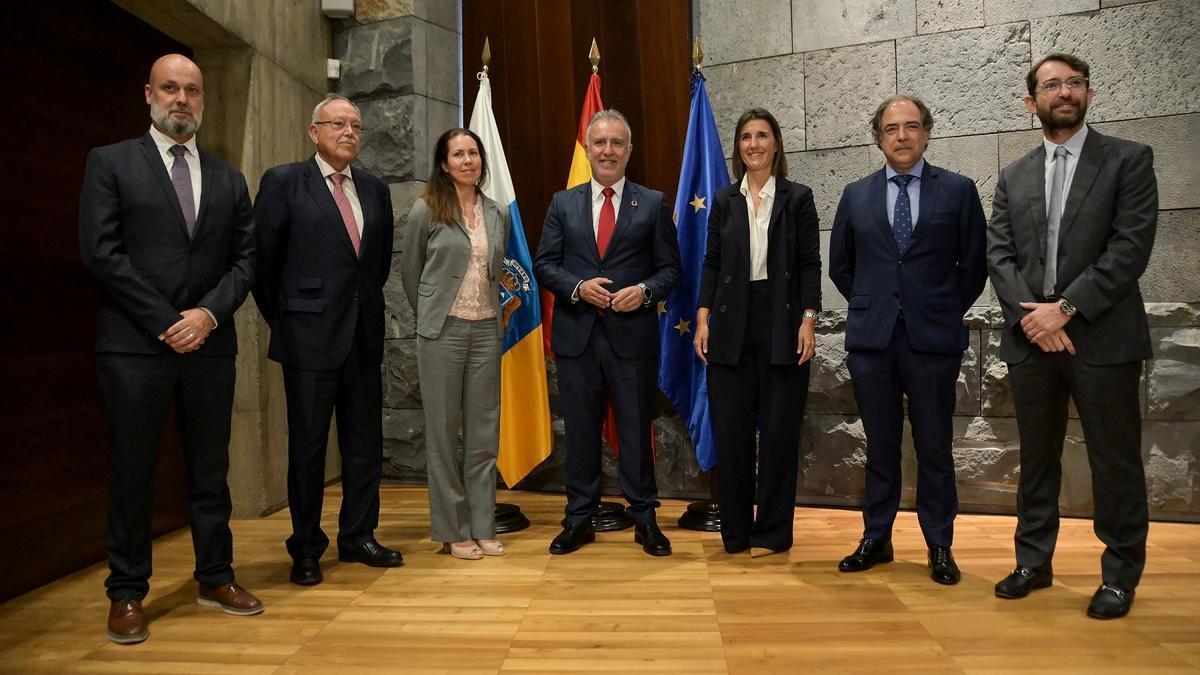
(343, 204)
(181, 178)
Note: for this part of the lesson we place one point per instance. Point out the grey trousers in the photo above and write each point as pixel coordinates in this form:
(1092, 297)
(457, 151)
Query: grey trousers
(460, 389)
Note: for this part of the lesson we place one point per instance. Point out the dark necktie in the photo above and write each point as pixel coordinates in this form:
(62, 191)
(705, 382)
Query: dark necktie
(608, 221)
(1058, 177)
(902, 214)
(343, 204)
(181, 178)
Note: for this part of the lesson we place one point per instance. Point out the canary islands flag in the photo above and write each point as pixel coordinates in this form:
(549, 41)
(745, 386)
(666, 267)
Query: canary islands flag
(681, 375)
(525, 436)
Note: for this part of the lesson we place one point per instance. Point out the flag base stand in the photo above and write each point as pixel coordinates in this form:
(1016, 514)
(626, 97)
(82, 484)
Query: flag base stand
(509, 518)
(609, 517)
(704, 516)
(701, 516)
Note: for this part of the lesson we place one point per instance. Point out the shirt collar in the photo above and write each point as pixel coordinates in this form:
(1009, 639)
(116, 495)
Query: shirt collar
(916, 171)
(618, 189)
(1074, 144)
(327, 170)
(165, 142)
(767, 191)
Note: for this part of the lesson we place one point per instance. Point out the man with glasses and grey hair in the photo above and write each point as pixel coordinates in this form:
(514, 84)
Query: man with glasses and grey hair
(1072, 227)
(609, 254)
(324, 232)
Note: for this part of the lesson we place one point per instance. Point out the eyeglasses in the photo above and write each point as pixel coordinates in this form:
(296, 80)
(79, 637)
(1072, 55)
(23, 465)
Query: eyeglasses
(340, 126)
(1074, 85)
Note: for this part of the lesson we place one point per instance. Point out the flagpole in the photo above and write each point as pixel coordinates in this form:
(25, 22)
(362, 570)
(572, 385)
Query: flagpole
(508, 516)
(703, 516)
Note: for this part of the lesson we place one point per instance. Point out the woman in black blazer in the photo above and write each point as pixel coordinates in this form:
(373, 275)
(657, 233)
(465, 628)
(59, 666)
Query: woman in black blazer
(760, 291)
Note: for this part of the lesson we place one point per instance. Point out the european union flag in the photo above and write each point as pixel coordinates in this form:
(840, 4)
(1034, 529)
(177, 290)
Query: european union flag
(681, 375)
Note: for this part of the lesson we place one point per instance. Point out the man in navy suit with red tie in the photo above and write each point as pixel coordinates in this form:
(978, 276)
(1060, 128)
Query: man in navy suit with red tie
(324, 232)
(609, 253)
(907, 251)
(167, 231)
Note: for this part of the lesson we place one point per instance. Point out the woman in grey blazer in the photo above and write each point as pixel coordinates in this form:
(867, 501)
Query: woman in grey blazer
(453, 247)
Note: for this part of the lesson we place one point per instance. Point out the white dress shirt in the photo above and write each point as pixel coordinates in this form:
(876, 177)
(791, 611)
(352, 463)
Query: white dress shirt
(598, 202)
(760, 222)
(347, 187)
(1074, 146)
(192, 157)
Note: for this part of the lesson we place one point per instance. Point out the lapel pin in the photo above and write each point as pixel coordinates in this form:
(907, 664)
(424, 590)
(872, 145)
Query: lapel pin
(633, 203)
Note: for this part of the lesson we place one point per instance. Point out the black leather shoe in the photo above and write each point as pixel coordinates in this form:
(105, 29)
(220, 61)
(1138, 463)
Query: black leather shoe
(652, 539)
(306, 571)
(573, 537)
(942, 567)
(867, 555)
(1021, 582)
(373, 554)
(1110, 602)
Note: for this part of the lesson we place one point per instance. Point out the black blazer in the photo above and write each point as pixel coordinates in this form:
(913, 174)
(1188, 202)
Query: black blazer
(934, 281)
(133, 239)
(793, 270)
(643, 249)
(1105, 238)
(312, 289)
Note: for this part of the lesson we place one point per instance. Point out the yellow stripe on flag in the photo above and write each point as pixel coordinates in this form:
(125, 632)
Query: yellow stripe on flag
(524, 416)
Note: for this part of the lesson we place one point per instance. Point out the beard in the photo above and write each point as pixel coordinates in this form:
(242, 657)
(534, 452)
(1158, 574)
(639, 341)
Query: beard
(173, 126)
(1052, 121)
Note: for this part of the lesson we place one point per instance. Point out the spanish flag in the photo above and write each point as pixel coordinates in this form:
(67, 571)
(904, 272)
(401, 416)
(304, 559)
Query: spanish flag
(525, 435)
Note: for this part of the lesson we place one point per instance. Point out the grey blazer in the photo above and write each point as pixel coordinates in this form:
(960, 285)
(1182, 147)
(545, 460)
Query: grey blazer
(434, 257)
(1104, 246)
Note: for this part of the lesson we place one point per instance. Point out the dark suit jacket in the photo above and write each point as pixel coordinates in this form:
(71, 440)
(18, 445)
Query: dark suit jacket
(793, 270)
(435, 258)
(643, 249)
(934, 281)
(133, 239)
(312, 288)
(1105, 238)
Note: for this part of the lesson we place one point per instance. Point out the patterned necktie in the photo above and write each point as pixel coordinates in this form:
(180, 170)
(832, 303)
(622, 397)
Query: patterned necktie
(343, 204)
(181, 178)
(1054, 220)
(608, 221)
(902, 214)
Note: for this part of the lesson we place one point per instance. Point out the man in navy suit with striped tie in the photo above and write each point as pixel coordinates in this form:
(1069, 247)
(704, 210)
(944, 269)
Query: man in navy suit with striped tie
(907, 251)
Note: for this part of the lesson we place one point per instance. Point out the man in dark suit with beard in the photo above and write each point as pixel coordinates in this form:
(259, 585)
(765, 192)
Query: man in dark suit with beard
(608, 253)
(1072, 227)
(167, 231)
(324, 232)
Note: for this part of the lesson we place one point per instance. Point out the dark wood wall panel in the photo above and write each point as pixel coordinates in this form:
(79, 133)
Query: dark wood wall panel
(76, 73)
(540, 72)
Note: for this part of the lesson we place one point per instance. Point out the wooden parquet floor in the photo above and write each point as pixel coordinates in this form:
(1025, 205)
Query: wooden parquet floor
(611, 608)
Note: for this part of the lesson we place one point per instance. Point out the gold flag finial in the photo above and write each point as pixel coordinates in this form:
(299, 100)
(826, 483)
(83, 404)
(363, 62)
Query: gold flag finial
(487, 52)
(697, 54)
(594, 56)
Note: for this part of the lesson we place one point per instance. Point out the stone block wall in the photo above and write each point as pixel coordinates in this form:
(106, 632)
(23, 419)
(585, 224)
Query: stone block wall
(822, 67)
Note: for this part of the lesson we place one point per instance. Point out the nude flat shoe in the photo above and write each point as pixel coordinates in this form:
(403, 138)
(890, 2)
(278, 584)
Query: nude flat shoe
(491, 547)
(463, 551)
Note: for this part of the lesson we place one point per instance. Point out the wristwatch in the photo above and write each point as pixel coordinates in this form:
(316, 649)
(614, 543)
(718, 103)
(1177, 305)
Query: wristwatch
(1065, 306)
(646, 294)
(809, 315)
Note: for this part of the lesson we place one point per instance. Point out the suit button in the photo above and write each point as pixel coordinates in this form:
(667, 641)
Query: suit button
(728, 278)
(1041, 261)
(895, 295)
(722, 308)
(787, 306)
(787, 275)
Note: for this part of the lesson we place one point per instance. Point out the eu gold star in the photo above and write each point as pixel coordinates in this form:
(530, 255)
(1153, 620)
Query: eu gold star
(698, 203)
(662, 306)
(683, 326)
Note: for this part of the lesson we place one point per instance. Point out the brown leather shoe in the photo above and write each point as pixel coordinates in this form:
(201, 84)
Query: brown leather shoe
(126, 623)
(230, 598)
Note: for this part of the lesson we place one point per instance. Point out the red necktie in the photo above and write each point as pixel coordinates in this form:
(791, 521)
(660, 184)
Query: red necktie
(608, 221)
(343, 204)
